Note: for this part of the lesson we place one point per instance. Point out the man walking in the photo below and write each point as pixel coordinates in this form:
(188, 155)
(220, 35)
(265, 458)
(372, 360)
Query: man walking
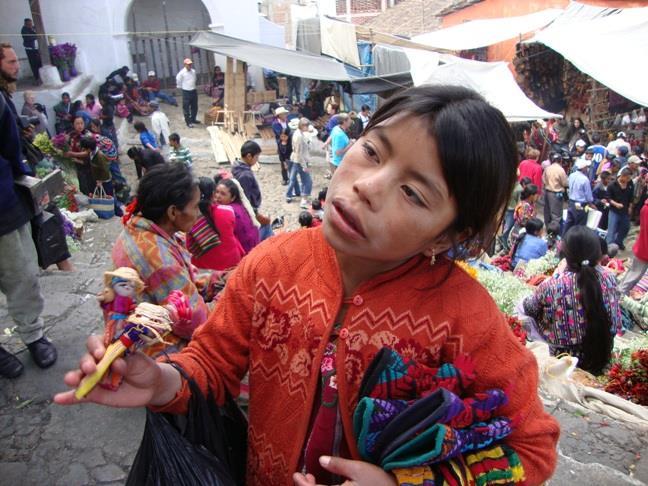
(554, 180)
(580, 195)
(31, 48)
(186, 81)
(18, 258)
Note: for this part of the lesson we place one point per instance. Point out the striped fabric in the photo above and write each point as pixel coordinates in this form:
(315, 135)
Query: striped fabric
(181, 154)
(202, 238)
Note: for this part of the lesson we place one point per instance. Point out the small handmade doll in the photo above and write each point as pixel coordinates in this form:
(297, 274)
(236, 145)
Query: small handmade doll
(147, 325)
(118, 299)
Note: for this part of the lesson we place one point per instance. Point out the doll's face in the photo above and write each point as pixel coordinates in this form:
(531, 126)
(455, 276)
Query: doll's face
(125, 289)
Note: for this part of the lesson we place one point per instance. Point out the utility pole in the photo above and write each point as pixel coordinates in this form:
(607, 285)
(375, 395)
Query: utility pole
(34, 7)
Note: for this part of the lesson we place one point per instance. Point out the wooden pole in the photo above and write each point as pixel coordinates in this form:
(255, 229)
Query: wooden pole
(34, 7)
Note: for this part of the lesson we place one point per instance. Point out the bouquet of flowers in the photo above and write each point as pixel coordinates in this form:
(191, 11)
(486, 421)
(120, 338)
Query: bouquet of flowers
(44, 144)
(61, 142)
(58, 56)
(542, 266)
(505, 289)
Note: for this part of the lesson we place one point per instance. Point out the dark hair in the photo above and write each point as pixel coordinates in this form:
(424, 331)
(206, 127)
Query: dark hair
(207, 187)
(582, 250)
(88, 143)
(596, 138)
(28, 20)
(525, 181)
(365, 108)
(134, 152)
(76, 106)
(476, 148)
(232, 188)
(76, 117)
(162, 186)
(250, 148)
(532, 227)
(305, 219)
(139, 126)
(622, 150)
(90, 96)
(604, 173)
(175, 137)
(321, 196)
(95, 121)
(316, 205)
(65, 93)
(528, 191)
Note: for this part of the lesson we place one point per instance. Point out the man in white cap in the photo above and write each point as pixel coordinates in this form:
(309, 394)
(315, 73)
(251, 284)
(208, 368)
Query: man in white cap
(152, 90)
(580, 195)
(186, 81)
(279, 126)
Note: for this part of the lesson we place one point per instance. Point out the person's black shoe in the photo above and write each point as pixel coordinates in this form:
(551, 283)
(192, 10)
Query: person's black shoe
(10, 366)
(284, 183)
(43, 352)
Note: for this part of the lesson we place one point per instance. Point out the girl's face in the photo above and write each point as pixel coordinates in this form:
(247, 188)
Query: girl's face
(222, 195)
(389, 200)
(79, 125)
(283, 138)
(577, 123)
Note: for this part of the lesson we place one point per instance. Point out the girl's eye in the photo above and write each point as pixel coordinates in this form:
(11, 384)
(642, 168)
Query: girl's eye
(409, 192)
(370, 152)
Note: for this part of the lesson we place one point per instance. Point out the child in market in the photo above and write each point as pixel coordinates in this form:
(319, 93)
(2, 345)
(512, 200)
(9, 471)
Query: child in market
(100, 169)
(306, 312)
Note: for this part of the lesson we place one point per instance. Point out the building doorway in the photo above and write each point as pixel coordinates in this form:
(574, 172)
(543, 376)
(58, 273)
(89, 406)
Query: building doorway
(160, 34)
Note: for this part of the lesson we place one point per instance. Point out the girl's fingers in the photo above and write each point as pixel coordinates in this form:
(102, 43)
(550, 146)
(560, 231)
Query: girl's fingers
(73, 378)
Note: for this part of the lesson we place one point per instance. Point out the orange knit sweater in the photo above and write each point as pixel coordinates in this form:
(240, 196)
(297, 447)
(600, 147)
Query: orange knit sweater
(274, 320)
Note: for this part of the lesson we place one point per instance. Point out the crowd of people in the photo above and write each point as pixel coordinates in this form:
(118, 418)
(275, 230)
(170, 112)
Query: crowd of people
(590, 193)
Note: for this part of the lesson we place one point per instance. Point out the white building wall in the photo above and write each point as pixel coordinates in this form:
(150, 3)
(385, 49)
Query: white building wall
(99, 27)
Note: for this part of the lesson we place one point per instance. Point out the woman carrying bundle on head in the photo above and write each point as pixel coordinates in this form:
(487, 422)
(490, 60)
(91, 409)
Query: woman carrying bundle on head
(578, 312)
(211, 240)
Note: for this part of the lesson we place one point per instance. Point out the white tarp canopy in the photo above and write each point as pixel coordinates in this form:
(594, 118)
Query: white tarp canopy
(606, 44)
(285, 61)
(486, 32)
(493, 80)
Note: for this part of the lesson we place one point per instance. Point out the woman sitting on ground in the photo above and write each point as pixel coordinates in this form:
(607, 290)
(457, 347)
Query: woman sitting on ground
(211, 241)
(166, 203)
(530, 244)
(228, 192)
(524, 211)
(79, 156)
(578, 311)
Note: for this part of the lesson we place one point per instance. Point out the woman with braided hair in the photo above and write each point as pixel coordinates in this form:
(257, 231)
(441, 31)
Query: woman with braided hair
(578, 312)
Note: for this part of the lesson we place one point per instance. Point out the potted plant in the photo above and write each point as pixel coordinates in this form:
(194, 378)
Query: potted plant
(70, 51)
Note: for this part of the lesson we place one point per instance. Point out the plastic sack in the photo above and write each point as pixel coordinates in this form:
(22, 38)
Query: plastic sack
(206, 447)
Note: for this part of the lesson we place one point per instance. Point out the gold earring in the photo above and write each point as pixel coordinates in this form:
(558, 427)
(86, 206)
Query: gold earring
(433, 258)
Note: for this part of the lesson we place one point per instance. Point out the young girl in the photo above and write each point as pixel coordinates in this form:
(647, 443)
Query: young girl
(211, 240)
(228, 193)
(578, 311)
(307, 311)
(284, 150)
(146, 137)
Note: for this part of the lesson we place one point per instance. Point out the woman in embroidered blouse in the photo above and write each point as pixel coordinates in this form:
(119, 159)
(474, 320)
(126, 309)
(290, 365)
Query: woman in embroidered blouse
(578, 311)
(307, 311)
(211, 241)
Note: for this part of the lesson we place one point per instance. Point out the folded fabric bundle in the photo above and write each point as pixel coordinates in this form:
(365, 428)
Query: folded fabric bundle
(410, 415)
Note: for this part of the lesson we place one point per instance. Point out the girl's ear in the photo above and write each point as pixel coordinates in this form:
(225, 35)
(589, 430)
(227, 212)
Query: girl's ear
(171, 213)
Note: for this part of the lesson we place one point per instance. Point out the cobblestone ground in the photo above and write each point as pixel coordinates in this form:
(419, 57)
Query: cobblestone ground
(45, 444)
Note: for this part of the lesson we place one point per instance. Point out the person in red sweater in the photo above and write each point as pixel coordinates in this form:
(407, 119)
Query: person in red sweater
(640, 250)
(531, 168)
(305, 313)
(211, 241)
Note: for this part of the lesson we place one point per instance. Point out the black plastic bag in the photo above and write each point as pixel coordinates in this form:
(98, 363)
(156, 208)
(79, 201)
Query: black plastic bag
(49, 239)
(206, 447)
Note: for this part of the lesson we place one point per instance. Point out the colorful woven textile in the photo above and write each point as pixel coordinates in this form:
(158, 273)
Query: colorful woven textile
(202, 238)
(410, 416)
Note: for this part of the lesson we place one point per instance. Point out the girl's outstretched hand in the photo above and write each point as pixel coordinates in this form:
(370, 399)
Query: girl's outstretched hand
(358, 473)
(142, 377)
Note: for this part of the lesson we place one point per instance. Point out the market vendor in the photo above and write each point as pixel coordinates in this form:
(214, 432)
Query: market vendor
(578, 312)
(79, 156)
(306, 312)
